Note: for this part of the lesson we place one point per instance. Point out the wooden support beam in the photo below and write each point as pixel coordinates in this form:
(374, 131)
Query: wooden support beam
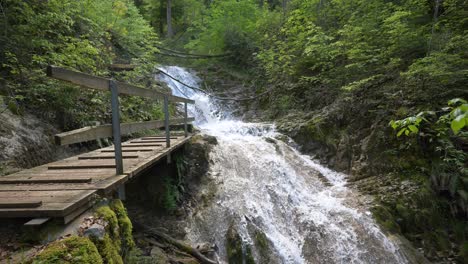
(99, 83)
(37, 221)
(105, 131)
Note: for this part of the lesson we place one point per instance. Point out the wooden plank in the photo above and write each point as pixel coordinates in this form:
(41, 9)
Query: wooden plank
(125, 88)
(141, 145)
(59, 195)
(37, 221)
(129, 150)
(77, 212)
(150, 160)
(59, 206)
(81, 166)
(107, 157)
(78, 78)
(45, 172)
(105, 131)
(111, 184)
(100, 184)
(48, 187)
(14, 203)
(50, 210)
(31, 180)
(93, 82)
(150, 141)
(157, 138)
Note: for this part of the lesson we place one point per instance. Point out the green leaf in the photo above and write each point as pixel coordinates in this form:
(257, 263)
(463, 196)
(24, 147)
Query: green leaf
(401, 132)
(456, 101)
(458, 123)
(413, 128)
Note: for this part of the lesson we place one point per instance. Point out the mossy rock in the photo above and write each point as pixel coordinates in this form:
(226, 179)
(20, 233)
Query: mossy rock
(234, 246)
(262, 245)
(106, 213)
(385, 218)
(119, 240)
(70, 250)
(237, 251)
(125, 225)
(108, 250)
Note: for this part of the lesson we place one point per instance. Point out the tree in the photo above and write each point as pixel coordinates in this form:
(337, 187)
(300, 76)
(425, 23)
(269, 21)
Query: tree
(170, 31)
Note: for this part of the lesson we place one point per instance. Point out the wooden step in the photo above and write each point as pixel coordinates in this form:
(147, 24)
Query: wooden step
(14, 203)
(31, 180)
(128, 150)
(81, 166)
(98, 157)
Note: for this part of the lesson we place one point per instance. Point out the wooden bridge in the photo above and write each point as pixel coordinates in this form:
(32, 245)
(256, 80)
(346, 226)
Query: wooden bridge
(66, 188)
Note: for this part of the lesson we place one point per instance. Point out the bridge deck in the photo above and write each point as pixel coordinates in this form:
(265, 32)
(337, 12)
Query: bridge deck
(66, 188)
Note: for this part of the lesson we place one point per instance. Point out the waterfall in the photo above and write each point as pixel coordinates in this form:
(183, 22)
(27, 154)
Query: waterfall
(304, 210)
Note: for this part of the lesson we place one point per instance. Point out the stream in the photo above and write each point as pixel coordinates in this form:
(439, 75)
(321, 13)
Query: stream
(266, 188)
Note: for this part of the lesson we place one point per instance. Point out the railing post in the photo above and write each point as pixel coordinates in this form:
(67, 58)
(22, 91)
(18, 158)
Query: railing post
(166, 121)
(185, 119)
(116, 134)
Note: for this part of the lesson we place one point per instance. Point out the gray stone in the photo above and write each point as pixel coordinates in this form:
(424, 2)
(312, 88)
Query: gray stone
(95, 230)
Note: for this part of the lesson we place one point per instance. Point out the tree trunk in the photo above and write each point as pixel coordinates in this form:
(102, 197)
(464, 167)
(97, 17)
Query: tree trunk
(161, 17)
(170, 32)
(434, 22)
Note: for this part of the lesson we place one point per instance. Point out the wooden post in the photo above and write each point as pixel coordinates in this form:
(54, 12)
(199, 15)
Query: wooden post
(166, 121)
(116, 134)
(185, 119)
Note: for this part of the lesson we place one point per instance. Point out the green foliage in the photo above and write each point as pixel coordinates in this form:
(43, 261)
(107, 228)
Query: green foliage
(81, 35)
(171, 194)
(442, 133)
(72, 250)
(229, 27)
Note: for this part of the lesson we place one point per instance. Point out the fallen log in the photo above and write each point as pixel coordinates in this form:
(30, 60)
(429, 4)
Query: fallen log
(178, 244)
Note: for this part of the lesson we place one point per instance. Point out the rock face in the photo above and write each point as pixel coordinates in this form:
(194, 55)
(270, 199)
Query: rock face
(196, 154)
(95, 230)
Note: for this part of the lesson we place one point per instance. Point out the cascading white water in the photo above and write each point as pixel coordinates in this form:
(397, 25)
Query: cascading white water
(304, 209)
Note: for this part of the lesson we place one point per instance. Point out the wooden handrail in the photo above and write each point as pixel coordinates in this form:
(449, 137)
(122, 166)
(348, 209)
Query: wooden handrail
(104, 131)
(116, 129)
(100, 83)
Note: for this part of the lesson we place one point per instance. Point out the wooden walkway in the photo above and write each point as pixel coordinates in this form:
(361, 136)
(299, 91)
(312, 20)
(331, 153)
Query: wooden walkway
(66, 188)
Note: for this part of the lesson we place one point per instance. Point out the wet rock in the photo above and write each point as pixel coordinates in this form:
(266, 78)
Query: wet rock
(237, 251)
(95, 230)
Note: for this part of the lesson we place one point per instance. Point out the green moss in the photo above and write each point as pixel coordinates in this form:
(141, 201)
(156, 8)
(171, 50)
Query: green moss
(261, 240)
(384, 218)
(108, 250)
(113, 224)
(262, 245)
(234, 246)
(125, 225)
(249, 259)
(71, 250)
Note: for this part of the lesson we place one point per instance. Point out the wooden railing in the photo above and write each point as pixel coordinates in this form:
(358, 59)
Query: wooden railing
(116, 129)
